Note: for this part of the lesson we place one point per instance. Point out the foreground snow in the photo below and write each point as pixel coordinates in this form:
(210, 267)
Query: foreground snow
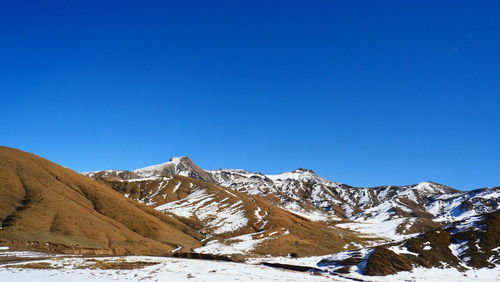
(417, 274)
(438, 274)
(167, 269)
(174, 269)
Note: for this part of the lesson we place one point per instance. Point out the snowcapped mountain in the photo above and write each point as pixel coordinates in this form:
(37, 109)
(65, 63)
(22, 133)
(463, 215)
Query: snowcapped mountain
(303, 191)
(461, 206)
(233, 206)
(177, 165)
(464, 244)
(254, 183)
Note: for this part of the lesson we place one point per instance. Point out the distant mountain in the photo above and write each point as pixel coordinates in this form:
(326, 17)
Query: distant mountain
(177, 165)
(303, 191)
(395, 225)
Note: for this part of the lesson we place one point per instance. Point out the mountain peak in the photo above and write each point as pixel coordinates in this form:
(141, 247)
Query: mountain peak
(177, 165)
(303, 170)
(432, 187)
(179, 159)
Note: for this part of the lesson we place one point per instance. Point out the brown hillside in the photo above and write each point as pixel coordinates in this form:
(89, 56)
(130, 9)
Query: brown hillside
(385, 262)
(44, 206)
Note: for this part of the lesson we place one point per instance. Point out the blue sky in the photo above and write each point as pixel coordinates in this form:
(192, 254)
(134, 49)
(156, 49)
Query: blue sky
(363, 92)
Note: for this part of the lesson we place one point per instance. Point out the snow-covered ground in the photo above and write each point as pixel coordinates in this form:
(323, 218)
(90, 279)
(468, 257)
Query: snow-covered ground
(313, 215)
(76, 269)
(240, 244)
(416, 275)
(203, 206)
(384, 229)
(166, 269)
(438, 274)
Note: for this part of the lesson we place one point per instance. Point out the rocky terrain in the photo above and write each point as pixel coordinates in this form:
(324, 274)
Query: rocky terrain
(420, 225)
(295, 220)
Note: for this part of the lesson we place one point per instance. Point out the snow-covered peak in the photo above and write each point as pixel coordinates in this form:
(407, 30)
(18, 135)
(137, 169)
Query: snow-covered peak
(295, 174)
(230, 170)
(177, 165)
(153, 170)
(431, 188)
(423, 185)
(300, 174)
(180, 159)
(303, 170)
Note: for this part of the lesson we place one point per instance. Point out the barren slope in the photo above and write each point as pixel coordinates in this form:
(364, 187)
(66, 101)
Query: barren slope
(44, 206)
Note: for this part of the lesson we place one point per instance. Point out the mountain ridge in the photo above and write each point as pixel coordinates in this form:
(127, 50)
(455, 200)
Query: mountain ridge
(188, 167)
(171, 208)
(403, 223)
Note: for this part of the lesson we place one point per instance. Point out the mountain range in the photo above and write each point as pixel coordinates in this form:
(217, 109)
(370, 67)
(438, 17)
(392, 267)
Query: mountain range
(177, 208)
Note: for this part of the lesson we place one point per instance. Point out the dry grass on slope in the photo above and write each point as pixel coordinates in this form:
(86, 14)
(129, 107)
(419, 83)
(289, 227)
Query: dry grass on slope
(44, 206)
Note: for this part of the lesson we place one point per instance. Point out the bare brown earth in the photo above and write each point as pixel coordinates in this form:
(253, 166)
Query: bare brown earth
(44, 206)
(439, 252)
(385, 262)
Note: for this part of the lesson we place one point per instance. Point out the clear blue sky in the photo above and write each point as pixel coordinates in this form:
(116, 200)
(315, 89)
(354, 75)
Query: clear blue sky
(363, 92)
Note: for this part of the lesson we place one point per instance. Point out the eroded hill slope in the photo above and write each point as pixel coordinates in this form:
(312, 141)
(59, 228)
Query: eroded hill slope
(44, 206)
